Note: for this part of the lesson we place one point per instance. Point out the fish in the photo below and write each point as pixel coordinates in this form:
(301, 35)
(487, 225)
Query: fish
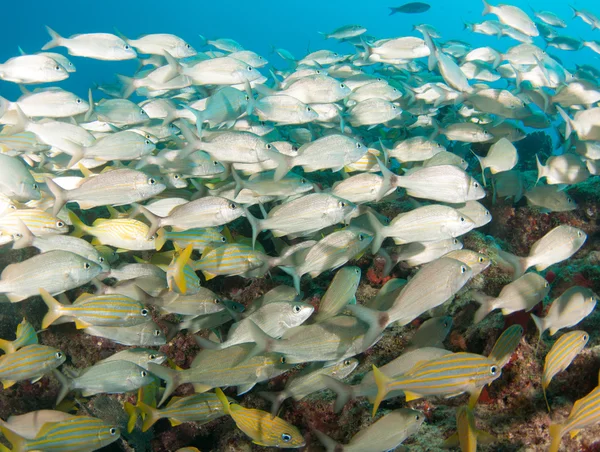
(410, 8)
(341, 291)
(27, 69)
(110, 377)
(502, 156)
(140, 356)
(506, 345)
(550, 198)
(31, 362)
(99, 46)
(467, 435)
(25, 335)
(22, 280)
(146, 334)
(449, 375)
(431, 333)
(259, 426)
(520, 295)
(199, 408)
(70, 435)
(419, 253)
(563, 169)
(16, 182)
(570, 308)
(561, 355)
(387, 433)
(100, 310)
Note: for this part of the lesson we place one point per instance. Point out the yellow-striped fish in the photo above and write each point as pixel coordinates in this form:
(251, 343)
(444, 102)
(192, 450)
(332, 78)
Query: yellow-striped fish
(203, 302)
(199, 238)
(506, 345)
(23, 141)
(368, 162)
(181, 277)
(200, 408)
(76, 434)
(37, 221)
(29, 363)
(259, 426)
(26, 335)
(449, 375)
(467, 434)
(231, 259)
(561, 355)
(96, 310)
(124, 234)
(585, 412)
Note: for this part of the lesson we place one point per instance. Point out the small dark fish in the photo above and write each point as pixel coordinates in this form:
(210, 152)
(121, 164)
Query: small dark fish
(410, 8)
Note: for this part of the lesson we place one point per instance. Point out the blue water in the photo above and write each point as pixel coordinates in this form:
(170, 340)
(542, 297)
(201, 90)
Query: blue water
(256, 25)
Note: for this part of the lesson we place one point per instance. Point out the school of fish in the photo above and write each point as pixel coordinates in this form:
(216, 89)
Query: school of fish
(208, 163)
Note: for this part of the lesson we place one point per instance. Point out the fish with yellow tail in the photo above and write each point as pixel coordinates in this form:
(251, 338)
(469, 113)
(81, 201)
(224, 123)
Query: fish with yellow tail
(180, 274)
(26, 335)
(449, 375)
(29, 363)
(467, 435)
(584, 413)
(259, 426)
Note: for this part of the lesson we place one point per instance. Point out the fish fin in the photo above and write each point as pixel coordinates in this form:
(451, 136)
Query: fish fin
(128, 85)
(255, 224)
(80, 229)
(133, 416)
(160, 239)
(481, 161)
(556, 434)
(65, 385)
(8, 383)
(171, 378)
(487, 305)
(152, 415)
(540, 325)
(175, 422)
(291, 271)
(382, 381)
(180, 263)
(208, 276)
(80, 324)
(344, 391)
(207, 343)
(574, 433)
(223, 399)
(552, 330)
(243, 389)
(485, 437)
(330, 444)
(411, 396)
(473, 398)
(60, 195)
(7, 346)
(17, 442)
(55, 41)
(174, 67)
(54, 309)
(200, 388)
(451, 442)
(26, 239)
(276, 399)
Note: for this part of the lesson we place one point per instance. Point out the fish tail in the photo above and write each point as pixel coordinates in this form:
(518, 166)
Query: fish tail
(376, 320)
(255, 224)
(382, 381)
(284, 164)
(292, 272)
(519, 264)
(17, 442)
(540, 325)
(54, 309)
(262, 340)
(90, 112)
(575, 12)
(390, 180)
(344, 391)
(128, 85)
(207, 343)
(174, 67)
(568, 122)
(452, 441)
(179, 266)
(487, 305)
(132, 411)
(80, 227)
(556, 434)
(251, 100)
(432, 61)
(155, 220)
(392, 10)
(239, 182)
(26, 238)
(276, 399)
(55, 39)
(378, 231)
(7, 346)
(160, 240)
(60, 195)
(171, 378)
(65, 385)
(22, 121)
(481, 161)
(223, 399)
(152, 415)
(487, 8)
(544, 385)
(330, 444)
(541, 169)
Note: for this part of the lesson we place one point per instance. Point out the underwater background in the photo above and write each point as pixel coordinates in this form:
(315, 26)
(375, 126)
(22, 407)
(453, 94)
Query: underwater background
(512, 408)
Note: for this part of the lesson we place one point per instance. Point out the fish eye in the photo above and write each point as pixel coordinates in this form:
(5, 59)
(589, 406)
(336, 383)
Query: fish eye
(358, 145)
(216, 301)
(342, 86)
(393, 107)
(357, 270)
(569, 200)
(142, 112)
(147, 136)
(269, 146)
(455, 241)
(546, 284)
(480, 259)
(296, 309)
(78, 101)
(147, 142)
(347, 362)
(126, 47)
(342, 204)
(58, 355)
(12, 207)
(59, 224)
(476, 184)
(35, 186)
(463, 269)
(361, 237)
(417, 417)
(57, 68)
(308, 109)
(335, 55)
(493, 370)
(17, 236)
(176, 176)
(152, 357)
(152, 181)
(157, 333)
(152, 237)
(579, 234)
(144, 312)
(247, 97)
(286, 437)
(302, 181)
(249, 68)
(143, 373)
(584, 337)
(113, 431)
(223, 239)
(86, 265)
(187, 46)
(282, 360)
(462, 219)
(232, 206)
